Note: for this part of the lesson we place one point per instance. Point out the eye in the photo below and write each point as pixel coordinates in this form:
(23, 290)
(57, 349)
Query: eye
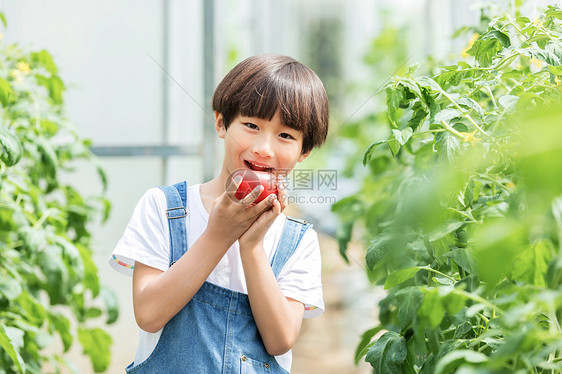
(251, 126)
(286, 136)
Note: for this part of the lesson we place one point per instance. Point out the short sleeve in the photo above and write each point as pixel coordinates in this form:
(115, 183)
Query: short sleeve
(146, 237)
(301, 279)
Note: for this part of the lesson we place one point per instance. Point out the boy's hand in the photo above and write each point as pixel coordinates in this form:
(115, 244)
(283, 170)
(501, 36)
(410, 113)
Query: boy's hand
(230, 218)
(253, 237)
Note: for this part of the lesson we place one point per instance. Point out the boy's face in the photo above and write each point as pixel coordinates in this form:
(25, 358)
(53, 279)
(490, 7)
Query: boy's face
(260, 145)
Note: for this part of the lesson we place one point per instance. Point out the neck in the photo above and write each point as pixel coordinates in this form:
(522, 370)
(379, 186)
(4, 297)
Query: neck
(216, 186)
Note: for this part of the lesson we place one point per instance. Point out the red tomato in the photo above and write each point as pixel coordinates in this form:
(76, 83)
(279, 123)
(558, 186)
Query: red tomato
(252, 179)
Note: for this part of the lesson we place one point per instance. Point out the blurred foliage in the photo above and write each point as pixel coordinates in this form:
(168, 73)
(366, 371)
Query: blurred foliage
(48, 281)
(322, 52)
(461, 203)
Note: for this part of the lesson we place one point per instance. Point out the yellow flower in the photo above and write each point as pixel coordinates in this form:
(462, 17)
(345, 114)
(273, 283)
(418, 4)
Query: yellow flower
(470, 43)
(536, 62)
(510, 185)
(470, 138)
(1, 36)
(16, 73)
(23, 67)
(558, 82)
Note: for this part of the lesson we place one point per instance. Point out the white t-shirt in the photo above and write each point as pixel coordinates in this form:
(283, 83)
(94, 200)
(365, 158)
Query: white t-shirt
(146, 239)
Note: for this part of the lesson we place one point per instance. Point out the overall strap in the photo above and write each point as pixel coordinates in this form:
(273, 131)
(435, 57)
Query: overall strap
(293, 231)
(176, 198)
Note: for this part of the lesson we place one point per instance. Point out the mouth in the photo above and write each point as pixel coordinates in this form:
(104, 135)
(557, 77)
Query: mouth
(258, 167)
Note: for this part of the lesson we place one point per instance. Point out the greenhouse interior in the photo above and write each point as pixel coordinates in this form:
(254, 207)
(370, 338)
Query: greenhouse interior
(434, 197)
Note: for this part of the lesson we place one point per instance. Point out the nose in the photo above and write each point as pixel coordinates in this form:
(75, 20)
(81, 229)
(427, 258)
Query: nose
(262, 146)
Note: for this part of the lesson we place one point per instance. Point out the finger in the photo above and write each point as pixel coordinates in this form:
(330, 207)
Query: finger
(233, 183)
(277, 208)
(265, 203)
(249, 198)
(282, 192)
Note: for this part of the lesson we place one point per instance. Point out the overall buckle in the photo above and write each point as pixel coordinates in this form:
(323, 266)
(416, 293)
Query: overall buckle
(181, 207)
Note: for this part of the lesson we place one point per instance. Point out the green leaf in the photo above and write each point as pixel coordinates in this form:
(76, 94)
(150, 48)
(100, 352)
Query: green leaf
(445, 228)
(448, 145)
(472, 104)
(508, 102)
(110, 299)
(497, 34)
(394, 146)
(453, 359)
(388, 353)
(430, 83)
(93, 312)
(411, 86)
(462, 329)
(364, 344)
(463, 258)
(453, 302)
(96, 344)
(419, 115)
(432, 309)
(532, 264)
(55, 86)
(10, 147)
(485, 49)
(44, 59)
(378, 249)
(33, 309)
(6, 92)
(400, 276)
(7, 346)
(450, 77)
(62, 325)
(51, 264)
(3, 18)
(409, 300)
(536, 38)
(91, 279)
(447, 115)
(556, 70)
(402, 136)
(369, 153)
(9, 287)
(103, 176)
(394, 96)
(553, 13)
(48, 155)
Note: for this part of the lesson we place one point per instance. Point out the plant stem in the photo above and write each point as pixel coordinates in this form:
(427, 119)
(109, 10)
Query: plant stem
(452, 130)
(464, 214)
(479, 299)
(504, 60)
(42, 219)
(466, 115)
(492, 97)
(437, 272)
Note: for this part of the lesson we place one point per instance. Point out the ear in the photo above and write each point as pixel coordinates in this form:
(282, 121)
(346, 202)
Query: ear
(304, 156)
(219, 125)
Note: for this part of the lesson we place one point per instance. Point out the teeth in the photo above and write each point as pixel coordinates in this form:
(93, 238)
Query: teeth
(265, 168)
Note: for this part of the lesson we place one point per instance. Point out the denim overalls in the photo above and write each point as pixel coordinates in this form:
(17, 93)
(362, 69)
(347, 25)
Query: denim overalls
(215, 332)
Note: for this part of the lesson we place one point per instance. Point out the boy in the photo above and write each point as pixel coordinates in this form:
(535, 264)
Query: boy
(236, 298)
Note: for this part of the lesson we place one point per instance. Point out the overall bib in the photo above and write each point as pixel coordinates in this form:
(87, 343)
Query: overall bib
(215, 332)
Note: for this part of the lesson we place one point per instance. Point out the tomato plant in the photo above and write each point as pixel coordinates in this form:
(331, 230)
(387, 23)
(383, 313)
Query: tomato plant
(49, 283)
(462, 208)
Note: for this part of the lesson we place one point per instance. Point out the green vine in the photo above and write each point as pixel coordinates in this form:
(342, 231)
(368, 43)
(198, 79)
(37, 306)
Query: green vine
(49, 286)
